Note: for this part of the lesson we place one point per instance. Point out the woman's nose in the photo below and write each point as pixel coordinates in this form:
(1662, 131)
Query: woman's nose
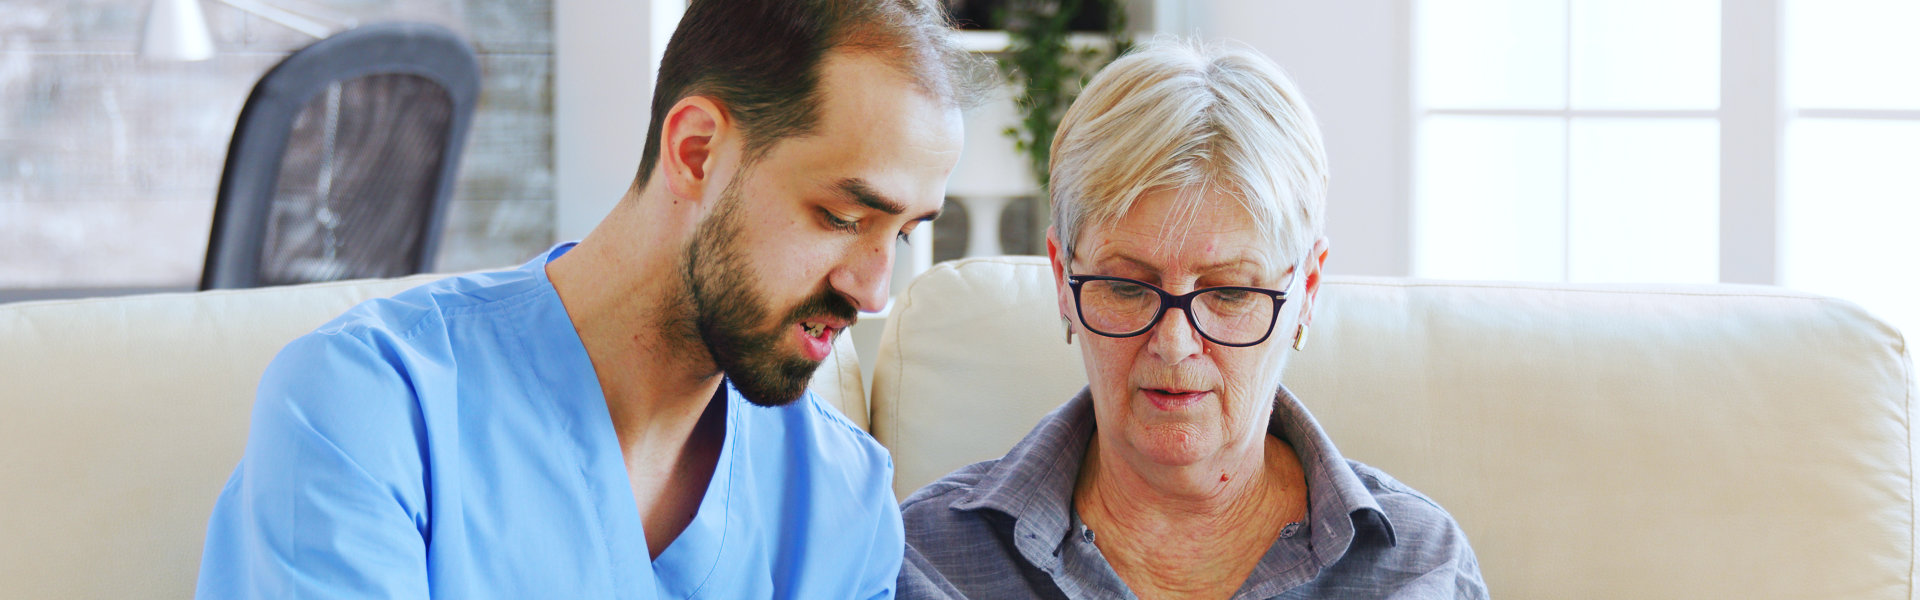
(1174, 339)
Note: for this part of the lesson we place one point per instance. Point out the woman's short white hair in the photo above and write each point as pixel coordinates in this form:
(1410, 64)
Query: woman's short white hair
(1203, 120)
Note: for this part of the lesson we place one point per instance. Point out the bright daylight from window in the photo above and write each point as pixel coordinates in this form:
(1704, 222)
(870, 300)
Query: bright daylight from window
(1582, 140)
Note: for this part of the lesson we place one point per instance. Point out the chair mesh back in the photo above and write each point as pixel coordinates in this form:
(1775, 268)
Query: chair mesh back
(357, 182)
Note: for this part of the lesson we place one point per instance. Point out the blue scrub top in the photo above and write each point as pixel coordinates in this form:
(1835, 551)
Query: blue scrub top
(453, 442)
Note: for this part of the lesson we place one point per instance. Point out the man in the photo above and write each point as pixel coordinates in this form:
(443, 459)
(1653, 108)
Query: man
(627, 417)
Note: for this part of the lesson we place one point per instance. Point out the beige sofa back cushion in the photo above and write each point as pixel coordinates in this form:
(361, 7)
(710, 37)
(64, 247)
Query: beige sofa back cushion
(121, 419)
(1593, 441)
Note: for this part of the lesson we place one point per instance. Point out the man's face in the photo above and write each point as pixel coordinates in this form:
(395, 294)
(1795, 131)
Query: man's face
(805, 236)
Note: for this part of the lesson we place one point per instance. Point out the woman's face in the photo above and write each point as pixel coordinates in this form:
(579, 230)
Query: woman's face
(1169, 396)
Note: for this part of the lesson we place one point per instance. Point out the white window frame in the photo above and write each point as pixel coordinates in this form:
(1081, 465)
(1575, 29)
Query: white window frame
(1752, 122)
(1752, 118)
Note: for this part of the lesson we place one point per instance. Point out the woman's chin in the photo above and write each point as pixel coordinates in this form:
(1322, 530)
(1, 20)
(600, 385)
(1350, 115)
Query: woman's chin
(1174, 446)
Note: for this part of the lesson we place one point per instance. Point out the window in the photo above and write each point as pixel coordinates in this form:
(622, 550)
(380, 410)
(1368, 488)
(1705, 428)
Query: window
(1678, 141)
(1850, 207)
(1570, 140)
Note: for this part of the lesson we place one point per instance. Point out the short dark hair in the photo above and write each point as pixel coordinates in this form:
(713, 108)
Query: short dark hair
(760, 60)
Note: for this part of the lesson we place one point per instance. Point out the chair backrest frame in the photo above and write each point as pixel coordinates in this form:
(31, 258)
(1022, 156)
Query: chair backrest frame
(250, 176)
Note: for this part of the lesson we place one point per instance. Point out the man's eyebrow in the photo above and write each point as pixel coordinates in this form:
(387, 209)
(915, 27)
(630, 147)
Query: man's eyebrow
(871, 198)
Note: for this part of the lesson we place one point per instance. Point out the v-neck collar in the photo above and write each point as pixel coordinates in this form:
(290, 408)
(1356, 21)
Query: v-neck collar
(695, 553)
(691, 558)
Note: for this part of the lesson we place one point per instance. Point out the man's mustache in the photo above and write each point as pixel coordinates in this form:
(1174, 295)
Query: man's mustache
(825, 303)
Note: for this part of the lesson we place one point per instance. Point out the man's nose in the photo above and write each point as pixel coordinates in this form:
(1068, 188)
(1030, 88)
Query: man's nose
(864, 276)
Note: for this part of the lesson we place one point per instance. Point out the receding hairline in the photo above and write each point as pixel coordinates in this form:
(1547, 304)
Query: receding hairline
(708, 57)
(931, 81)
(900, 70)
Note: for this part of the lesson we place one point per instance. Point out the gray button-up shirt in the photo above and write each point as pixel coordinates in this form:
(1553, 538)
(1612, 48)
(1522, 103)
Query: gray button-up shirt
(1006, 528)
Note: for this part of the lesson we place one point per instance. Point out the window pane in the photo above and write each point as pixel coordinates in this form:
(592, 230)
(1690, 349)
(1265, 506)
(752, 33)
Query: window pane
(1645, 201)
(1648, 54)
(1489, 198)
(1853, 53)
(1850, 222)
(1491, 54)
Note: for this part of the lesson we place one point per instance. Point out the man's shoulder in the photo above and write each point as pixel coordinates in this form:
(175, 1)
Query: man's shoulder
(375, 359)
(401, 315)
(832, 436)
(835, 424)
(822, 444)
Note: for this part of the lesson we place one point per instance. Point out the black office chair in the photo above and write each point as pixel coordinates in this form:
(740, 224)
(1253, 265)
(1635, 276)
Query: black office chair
(343, 159)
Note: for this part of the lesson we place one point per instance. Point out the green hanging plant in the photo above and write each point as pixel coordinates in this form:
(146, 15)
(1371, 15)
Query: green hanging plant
(1047, 71)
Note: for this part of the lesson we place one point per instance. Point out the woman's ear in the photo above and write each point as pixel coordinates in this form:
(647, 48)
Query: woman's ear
(1314, 265)
(1056, 258)
(695, 128)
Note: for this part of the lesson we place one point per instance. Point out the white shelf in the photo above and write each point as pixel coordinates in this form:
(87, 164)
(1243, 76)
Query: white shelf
(977, 40)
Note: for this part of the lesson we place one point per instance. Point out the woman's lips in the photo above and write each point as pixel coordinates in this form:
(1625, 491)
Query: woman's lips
(1169, 400)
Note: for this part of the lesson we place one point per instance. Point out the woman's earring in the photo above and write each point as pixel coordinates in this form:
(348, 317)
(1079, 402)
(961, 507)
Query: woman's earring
(1067, 324)
(1300, 338)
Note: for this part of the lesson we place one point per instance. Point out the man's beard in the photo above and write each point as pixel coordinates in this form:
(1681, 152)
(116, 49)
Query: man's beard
(732, 317)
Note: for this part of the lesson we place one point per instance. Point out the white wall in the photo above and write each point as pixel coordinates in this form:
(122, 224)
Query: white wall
(1349, 56)
(1350, 59)
(603, 63)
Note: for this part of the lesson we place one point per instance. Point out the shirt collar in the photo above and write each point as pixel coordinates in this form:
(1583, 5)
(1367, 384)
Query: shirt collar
(556, 251)
(1338, 503)
(1033, 484)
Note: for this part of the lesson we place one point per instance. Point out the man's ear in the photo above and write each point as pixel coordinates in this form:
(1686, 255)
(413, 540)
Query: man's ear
(689, 143)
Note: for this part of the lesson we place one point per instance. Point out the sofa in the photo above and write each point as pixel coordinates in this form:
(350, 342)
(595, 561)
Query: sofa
(121, 419)
(1594, 441)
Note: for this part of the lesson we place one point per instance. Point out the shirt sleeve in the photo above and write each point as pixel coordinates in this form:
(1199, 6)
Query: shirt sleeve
(1456, 574)
(1433, 546)
(329, 499)
(889, 542)
(920, 579)
(1467, 581)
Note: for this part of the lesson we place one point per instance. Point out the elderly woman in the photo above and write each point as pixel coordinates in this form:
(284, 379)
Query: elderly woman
(1188, 191)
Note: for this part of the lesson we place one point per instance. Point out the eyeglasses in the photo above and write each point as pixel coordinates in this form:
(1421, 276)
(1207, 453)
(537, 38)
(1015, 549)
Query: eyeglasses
(1118, 307)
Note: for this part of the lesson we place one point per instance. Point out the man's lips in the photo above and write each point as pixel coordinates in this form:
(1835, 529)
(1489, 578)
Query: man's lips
(817, 334)
(824, 326)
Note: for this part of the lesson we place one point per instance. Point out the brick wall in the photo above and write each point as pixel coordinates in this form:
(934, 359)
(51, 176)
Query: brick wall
(109, 164)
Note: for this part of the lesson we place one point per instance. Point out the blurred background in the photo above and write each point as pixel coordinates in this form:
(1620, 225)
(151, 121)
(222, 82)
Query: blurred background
(1772, 142)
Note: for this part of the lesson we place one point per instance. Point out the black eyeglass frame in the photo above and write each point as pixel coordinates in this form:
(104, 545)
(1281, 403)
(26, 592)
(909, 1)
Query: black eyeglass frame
(1184, 302)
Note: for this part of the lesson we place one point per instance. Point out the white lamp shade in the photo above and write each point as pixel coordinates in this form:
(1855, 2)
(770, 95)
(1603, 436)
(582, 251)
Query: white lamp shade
(176, 30)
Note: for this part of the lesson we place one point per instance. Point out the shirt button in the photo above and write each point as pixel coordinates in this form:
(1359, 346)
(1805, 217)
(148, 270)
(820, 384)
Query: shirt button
(1086, 535)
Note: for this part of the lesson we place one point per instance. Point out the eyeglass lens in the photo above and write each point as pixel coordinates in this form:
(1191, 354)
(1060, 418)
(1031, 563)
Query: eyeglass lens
(1229, 316)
